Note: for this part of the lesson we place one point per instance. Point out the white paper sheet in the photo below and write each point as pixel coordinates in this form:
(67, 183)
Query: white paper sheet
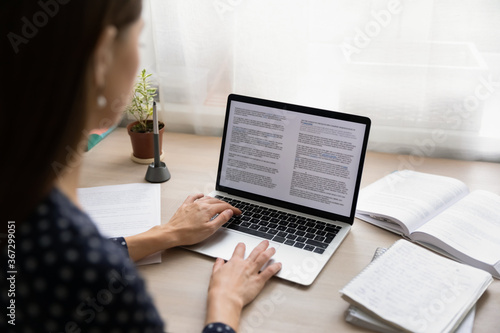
(124, 210)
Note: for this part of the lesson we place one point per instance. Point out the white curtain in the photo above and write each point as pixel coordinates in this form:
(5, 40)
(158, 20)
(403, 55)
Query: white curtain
(427, 72)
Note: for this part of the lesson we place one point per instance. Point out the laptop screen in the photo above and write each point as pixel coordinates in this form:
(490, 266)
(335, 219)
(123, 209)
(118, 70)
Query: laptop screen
(296, 157)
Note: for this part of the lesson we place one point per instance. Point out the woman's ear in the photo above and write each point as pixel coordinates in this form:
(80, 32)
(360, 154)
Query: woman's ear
(103, 55)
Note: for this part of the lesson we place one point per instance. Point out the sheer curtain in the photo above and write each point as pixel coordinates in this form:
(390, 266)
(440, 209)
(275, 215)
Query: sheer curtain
(427, 72)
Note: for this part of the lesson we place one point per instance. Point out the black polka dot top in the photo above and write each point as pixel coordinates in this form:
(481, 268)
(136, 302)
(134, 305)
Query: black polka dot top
(68, 278)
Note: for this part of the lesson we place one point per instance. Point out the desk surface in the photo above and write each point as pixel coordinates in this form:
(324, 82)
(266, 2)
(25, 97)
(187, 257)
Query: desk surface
(179, 283)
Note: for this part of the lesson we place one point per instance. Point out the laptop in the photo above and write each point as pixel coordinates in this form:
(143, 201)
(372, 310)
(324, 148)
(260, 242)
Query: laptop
(294, 171)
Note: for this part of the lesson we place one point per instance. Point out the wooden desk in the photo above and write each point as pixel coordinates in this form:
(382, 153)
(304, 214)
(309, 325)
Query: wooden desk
(179, 283)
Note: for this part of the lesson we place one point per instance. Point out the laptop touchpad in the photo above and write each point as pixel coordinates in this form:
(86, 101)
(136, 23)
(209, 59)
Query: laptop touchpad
(223, 242)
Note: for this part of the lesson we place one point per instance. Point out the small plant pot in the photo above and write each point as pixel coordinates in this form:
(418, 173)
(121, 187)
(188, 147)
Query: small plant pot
(143, 144)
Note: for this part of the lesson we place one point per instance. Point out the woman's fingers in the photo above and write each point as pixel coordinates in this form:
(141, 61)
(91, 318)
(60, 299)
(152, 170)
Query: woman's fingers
(216, 206)
(193, 197)
(260, 255)
(264, 256)
(239, 251)
(221, 206)
(219, 262)
(222, 218)
(270, 271)
(258, 250)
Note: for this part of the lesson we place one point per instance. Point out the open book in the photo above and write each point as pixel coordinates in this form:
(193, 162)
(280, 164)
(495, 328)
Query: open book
(439, 213)
(411, 289)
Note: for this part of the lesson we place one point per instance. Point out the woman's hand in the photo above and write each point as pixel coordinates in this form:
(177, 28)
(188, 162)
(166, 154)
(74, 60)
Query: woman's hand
(236, 283)
(190, 224)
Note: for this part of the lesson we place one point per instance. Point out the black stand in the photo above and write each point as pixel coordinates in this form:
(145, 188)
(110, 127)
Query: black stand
(157, 171)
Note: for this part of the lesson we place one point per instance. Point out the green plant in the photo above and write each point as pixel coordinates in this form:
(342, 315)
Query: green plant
(141, 106)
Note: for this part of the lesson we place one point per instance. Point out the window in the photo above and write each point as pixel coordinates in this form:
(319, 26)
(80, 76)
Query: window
(426, 72)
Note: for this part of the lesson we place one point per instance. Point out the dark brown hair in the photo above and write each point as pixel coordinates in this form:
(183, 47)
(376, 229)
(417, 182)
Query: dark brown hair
(45, 55)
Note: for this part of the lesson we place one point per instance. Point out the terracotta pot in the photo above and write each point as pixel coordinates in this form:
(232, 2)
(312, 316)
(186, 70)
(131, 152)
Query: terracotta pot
(142, 143)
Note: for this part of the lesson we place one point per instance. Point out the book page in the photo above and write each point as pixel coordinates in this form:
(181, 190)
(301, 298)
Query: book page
(124, 210)
(357, 317)
(416, 289)
(410, 197)
(471, 226)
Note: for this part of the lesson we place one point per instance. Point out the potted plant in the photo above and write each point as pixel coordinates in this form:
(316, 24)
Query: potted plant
(141, 130)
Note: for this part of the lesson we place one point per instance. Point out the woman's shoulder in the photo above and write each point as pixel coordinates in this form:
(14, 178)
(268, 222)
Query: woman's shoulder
(60, 233)
(69, 273)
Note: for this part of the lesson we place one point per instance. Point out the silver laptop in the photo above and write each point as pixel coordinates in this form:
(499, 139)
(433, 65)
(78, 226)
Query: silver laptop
(294, 172)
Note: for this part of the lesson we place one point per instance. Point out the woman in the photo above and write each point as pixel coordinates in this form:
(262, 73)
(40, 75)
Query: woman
(69, 67)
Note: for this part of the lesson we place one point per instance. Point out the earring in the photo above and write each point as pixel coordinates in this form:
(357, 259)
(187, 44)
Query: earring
(101, 101)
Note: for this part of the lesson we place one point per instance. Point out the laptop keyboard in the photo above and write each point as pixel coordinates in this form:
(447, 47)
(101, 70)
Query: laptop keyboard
(289, 229)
